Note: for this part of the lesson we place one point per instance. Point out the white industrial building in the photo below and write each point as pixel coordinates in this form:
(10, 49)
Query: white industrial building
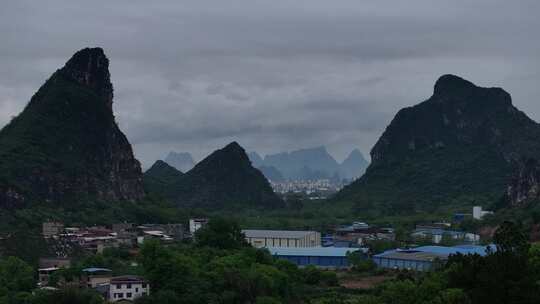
(282, 238)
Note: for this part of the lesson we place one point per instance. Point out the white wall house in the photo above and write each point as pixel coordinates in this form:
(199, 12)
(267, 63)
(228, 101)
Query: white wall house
(128, 288)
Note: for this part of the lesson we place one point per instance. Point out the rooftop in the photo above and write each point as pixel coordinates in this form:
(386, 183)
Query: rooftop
(431, 252)
(276, 233)
(96, 269)
(312, 251)
(127, 279)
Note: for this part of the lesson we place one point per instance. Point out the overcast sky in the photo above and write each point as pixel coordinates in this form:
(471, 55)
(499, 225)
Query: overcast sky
(273, 75)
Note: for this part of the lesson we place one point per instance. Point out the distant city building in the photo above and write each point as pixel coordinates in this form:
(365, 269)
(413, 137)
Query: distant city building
(325, 257)
(44, 275)
(95, 277)
(282, 238)
(196, 224)
(51, 229)
(478, 213)
(54, 262)
(423, 258)
(127, 288)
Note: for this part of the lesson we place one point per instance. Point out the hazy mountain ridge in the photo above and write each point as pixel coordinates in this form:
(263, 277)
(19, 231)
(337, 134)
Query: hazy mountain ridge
(311, 164)
(223, 179)
(182, 161)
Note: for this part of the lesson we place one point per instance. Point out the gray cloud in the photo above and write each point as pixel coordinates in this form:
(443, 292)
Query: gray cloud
(273, 75)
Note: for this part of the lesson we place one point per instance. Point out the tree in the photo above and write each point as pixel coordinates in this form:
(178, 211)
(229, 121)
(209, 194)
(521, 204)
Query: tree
(221, 233)
(15, 276)
(67, 296)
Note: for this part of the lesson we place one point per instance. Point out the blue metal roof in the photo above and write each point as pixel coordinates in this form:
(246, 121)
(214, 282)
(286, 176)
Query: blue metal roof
(311, 251)
(96, 269)
(442, 250)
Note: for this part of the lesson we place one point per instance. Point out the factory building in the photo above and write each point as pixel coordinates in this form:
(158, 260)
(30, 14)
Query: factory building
(324, 257)
(282, 238)
(424, 258)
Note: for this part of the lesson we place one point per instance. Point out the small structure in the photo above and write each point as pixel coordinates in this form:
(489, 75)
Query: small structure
(478, 213)
(95, 277)
(324, 257)
(436, 235)
(54, 262)
(44, 275)
(196, 224)
(424, 258)
(282, 238)
(127, 288)
(51, 229)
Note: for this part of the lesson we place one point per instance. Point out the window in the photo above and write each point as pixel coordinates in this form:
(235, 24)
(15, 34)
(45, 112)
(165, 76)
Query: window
(128, 286)
(144, 285)
(128, 295)
(118, 286)
(121, 295)
(143, 294)
(136, 289)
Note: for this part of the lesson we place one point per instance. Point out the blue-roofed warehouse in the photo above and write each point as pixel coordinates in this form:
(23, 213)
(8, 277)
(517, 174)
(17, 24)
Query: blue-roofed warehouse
(424, 258)
(326, 257)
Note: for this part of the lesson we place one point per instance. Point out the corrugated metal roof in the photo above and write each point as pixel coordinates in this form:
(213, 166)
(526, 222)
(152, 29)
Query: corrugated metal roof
(311, 251)
(96, 269)
(412, 256)
(440, 251)
(290, 234)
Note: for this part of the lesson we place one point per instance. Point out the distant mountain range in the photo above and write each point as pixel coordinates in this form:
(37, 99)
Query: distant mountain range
(224, 179)
(464, 145)
(309, 164)
(182, 161)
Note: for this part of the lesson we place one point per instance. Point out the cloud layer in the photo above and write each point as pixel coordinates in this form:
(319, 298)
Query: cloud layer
(273, 75)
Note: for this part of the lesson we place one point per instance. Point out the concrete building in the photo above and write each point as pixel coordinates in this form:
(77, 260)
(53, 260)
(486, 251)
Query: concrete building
(50, 229)
(478, 213)
(127, 288)
(56, 262)
(324, 257)
(196, 224)
(44, 275)
(282, 238)
(436, 235)
(96, 277)
(424, 258)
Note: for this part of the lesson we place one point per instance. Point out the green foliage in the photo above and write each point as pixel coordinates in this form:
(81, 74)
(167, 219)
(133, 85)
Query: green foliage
(16, 277)
(360, 262)
(220, 233)
(67, 296)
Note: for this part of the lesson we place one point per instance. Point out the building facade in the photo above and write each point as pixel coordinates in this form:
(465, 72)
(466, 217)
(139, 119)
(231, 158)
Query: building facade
(322, 257)
(282, 238)
(127, 288)
(424, 258)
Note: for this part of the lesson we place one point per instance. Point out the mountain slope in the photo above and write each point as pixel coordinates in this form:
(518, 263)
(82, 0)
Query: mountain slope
(223, 179)
(181, 161)
(354, 165)
(66, 145)
(459, 147)
(161, 177)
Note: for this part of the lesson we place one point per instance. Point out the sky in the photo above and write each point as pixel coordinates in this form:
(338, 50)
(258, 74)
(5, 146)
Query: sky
(273, 75)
